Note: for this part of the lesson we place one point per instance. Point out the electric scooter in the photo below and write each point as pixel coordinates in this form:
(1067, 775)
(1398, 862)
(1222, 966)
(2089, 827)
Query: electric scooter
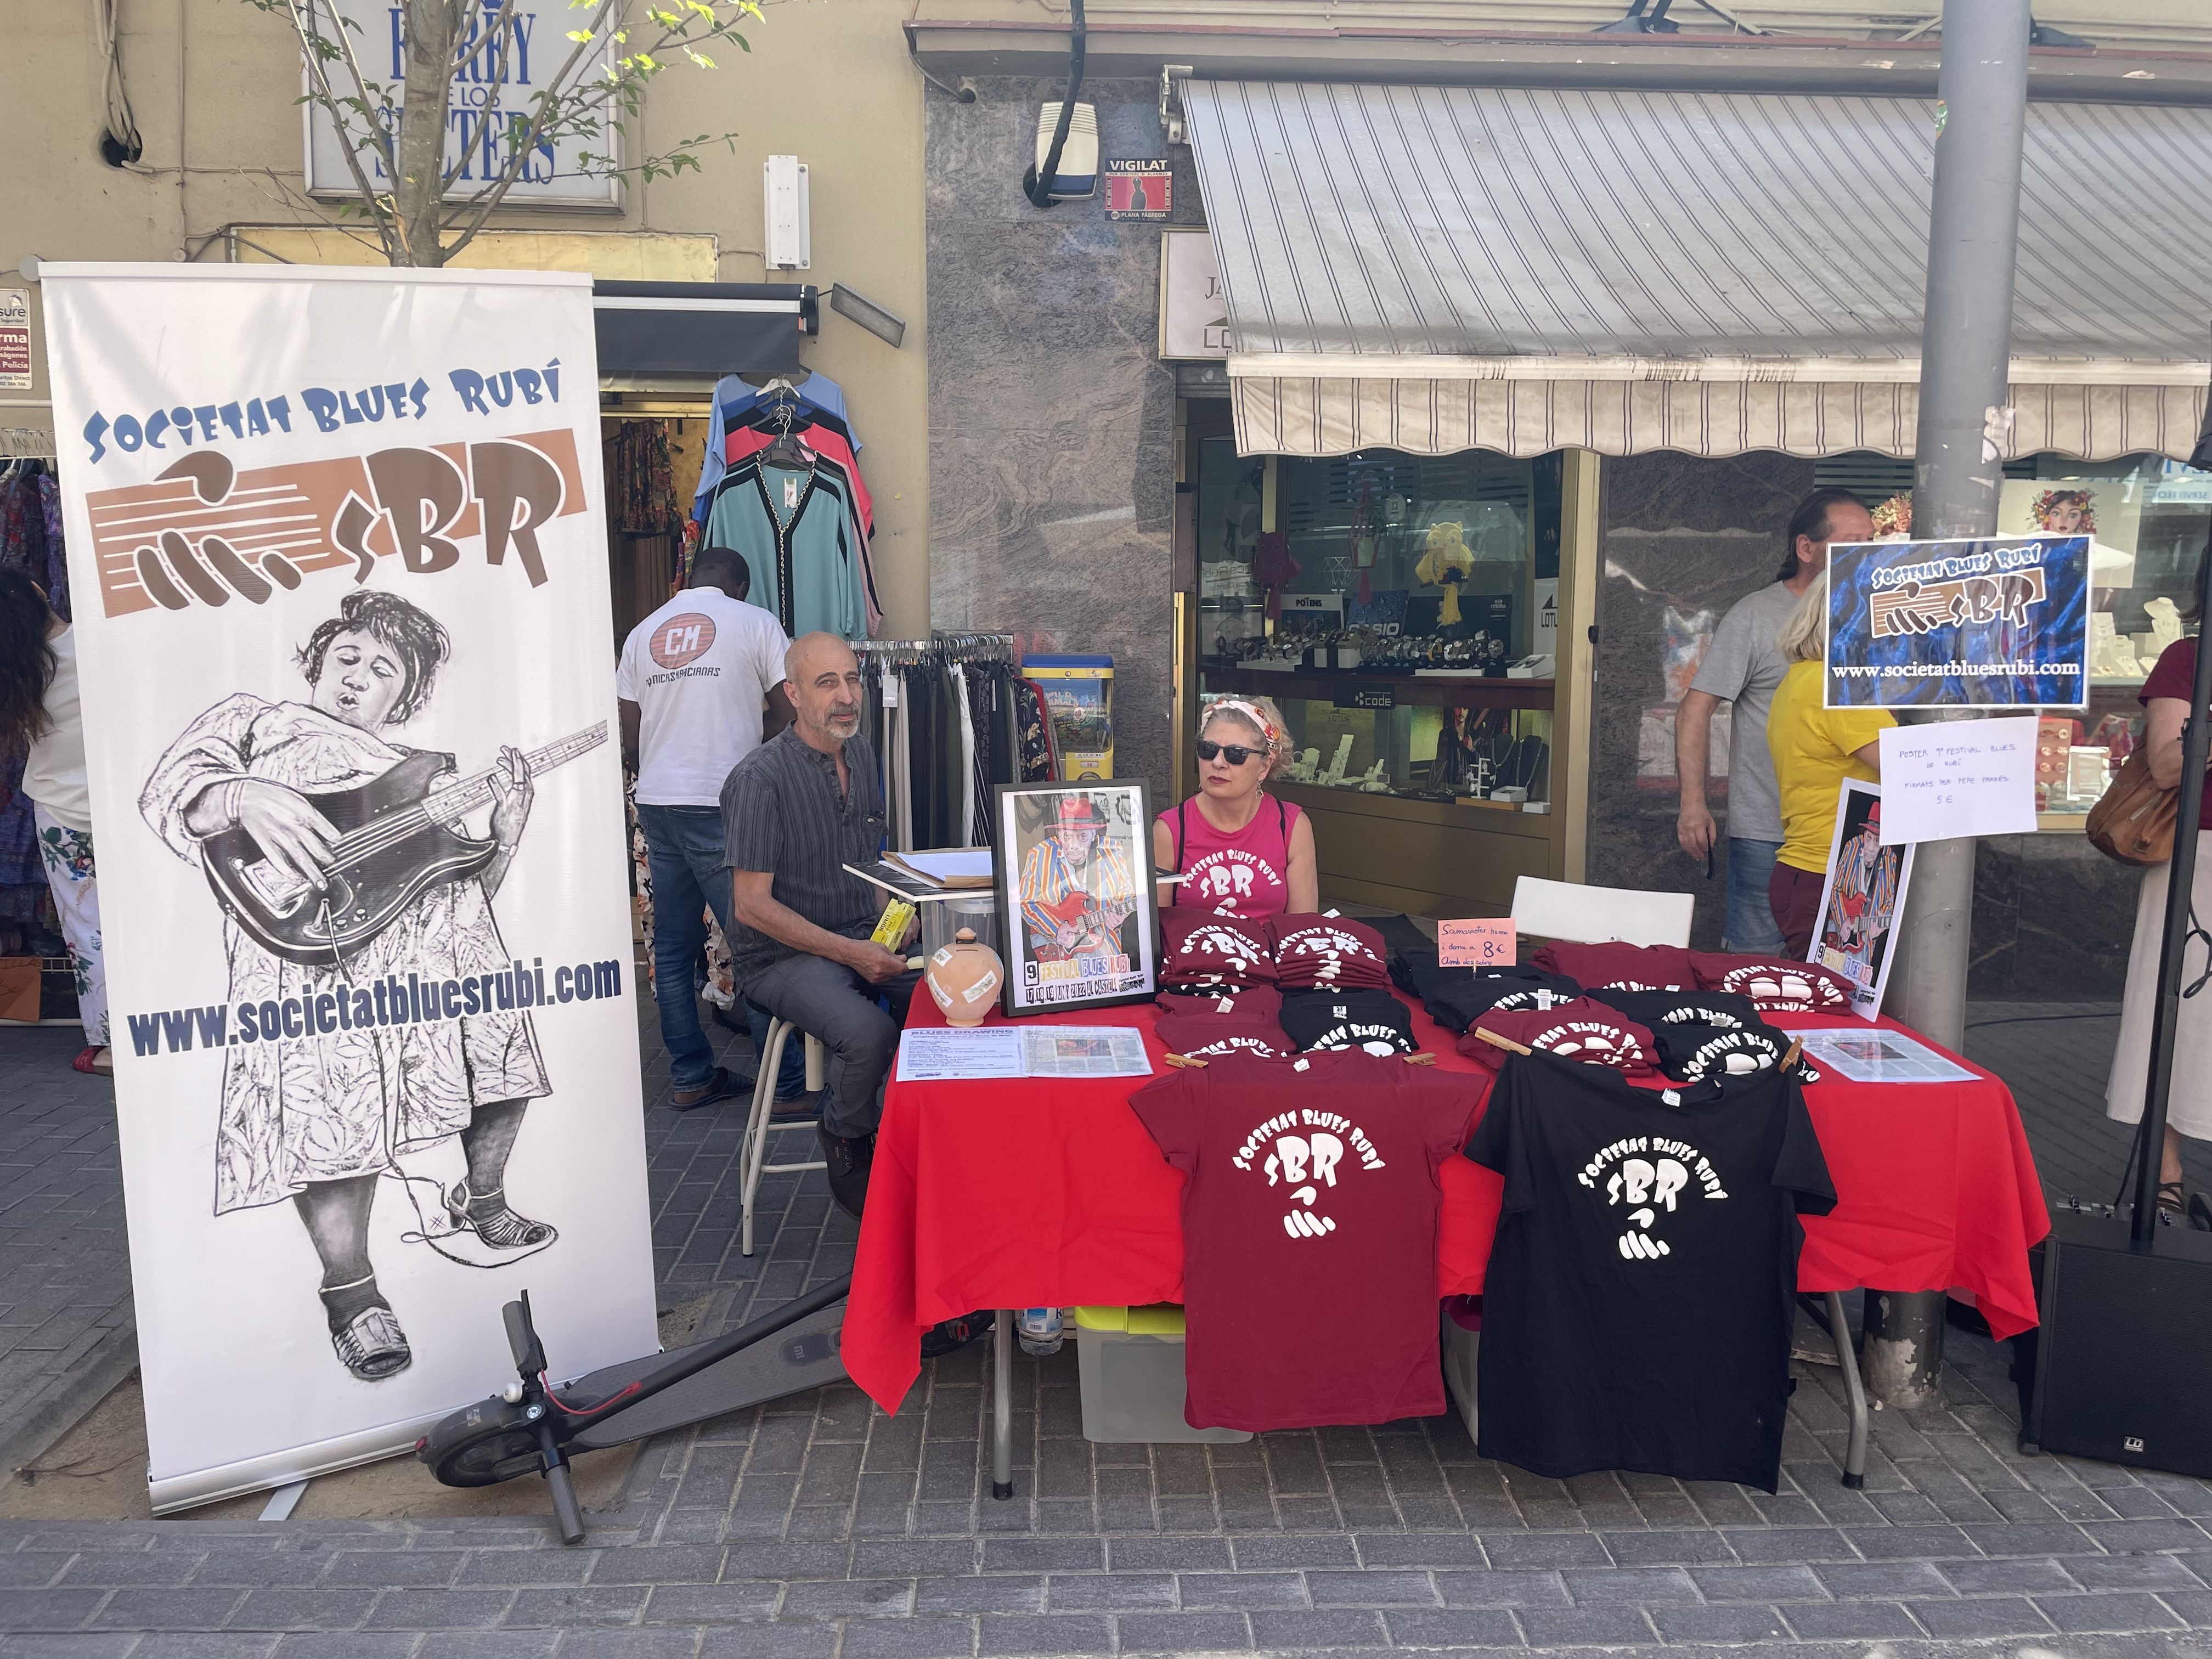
(531, 1427)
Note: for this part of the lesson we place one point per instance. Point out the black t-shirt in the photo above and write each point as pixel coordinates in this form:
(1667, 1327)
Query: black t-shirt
(1640, 1291)
(1458, 1006)
(1373, 1020)
(1693, 1053)
(1653, 1009)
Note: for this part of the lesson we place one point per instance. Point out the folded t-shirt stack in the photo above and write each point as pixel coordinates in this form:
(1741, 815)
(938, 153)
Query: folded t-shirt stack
(1418, 972)
(1201, 952)
(1261, 1003)
(1774, 984)
(1584, 1029)
(1699, 1034)
(1369, 1017)
(1457, 1007)
(1329, 951)
(1209, 1037)
(1629, 967)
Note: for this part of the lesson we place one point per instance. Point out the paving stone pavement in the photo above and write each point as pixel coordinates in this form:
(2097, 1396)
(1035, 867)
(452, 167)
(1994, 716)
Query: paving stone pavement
(815, 1528)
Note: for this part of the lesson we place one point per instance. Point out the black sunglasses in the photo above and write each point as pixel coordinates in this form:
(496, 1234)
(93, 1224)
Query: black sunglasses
(1235, 753)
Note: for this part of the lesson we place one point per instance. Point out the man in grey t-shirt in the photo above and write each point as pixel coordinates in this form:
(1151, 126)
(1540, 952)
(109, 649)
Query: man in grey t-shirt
(1741, 666)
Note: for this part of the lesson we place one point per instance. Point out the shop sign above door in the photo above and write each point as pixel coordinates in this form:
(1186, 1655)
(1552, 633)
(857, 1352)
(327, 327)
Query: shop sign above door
(490, 98)
(1194, 310)
(1143, 188)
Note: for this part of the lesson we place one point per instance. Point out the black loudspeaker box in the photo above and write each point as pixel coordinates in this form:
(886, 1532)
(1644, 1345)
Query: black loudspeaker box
(2123, 1365)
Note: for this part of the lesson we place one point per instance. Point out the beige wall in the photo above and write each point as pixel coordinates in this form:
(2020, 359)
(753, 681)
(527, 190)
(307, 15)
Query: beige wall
(829, 81)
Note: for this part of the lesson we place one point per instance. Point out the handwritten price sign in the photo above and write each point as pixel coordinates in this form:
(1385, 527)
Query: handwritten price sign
(1489, 942)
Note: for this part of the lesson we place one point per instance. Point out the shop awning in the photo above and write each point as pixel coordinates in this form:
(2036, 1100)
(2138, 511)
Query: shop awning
(702, 328)
(1431, 269)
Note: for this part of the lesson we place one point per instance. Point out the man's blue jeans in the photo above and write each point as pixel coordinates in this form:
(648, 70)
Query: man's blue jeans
(1748, 925)
(683, 849)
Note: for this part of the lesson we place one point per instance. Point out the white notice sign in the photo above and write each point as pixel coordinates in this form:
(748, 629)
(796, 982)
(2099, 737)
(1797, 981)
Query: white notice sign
(1961, 778)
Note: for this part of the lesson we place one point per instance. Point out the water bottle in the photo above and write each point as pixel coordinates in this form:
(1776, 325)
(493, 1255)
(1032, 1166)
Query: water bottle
(1041, 1330)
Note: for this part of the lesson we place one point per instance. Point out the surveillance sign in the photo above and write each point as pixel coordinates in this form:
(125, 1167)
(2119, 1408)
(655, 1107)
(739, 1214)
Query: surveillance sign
(1140, 189)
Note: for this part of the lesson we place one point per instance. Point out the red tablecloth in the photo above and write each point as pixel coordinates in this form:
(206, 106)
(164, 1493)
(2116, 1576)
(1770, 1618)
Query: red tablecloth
(1040, 1194)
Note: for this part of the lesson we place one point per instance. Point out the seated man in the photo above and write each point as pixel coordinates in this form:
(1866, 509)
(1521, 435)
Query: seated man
(794, 812)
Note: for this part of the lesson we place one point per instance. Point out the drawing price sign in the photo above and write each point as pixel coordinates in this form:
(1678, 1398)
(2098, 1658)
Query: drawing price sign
(1485, 942)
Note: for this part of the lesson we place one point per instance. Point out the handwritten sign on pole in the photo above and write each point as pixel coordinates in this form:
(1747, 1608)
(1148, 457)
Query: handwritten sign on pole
(1959, 778)
(1485, 942)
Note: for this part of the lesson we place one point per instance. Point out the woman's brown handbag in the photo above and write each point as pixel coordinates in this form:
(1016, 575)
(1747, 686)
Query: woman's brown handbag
(2133, 821)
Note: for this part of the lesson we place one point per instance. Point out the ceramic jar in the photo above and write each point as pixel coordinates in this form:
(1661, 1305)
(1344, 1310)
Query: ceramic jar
(965, 977)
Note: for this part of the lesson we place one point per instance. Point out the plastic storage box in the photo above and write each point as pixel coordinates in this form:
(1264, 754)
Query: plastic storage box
(1130, 1362)
(1461, 1347)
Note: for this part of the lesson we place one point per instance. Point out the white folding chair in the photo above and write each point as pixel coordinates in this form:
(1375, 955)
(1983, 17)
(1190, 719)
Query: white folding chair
(1597, 915)
(762, 1124)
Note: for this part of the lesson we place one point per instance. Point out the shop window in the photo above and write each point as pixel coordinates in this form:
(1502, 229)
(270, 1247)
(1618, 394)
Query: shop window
(1416, 646)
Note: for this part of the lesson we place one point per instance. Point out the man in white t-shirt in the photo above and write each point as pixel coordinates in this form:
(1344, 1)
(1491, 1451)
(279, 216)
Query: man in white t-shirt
(699, 684)
(1741, 666)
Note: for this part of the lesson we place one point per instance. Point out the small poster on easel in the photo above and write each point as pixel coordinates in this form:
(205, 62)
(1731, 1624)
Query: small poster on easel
(1864, 898)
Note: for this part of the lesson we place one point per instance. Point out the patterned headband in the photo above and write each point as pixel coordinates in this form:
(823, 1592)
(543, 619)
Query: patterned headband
(1251, 712)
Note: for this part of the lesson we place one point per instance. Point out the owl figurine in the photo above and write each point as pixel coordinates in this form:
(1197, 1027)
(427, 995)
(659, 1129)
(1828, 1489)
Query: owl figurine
(1446, 563)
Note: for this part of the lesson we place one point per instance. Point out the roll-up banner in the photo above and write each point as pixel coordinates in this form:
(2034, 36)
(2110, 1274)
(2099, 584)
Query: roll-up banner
(338, 546)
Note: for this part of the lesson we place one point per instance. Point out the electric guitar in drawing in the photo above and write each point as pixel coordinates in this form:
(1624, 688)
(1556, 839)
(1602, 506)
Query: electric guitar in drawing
(393, 845)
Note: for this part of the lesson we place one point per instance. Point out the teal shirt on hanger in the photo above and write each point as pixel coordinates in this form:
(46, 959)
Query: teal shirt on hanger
(792, 524)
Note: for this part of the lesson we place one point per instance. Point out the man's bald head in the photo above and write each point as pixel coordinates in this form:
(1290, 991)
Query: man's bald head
(822, 678)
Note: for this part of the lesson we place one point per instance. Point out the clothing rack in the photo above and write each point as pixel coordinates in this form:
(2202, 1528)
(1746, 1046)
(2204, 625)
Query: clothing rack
(918, 689)
(26, 443)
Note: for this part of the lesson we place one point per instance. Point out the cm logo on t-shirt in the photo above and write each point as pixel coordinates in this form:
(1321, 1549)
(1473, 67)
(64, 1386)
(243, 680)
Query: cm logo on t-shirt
(681, 640)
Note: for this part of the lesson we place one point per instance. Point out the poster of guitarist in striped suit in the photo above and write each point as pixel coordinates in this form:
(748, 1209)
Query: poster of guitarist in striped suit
(357, 912)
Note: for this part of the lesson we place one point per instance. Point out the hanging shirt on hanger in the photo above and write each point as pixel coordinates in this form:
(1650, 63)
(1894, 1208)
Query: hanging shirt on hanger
(1641, 1290)
(738, 402)
(791, 525)
(1309, 1229)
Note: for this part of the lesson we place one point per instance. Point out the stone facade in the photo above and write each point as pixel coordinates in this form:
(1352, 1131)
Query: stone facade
(1051, 417)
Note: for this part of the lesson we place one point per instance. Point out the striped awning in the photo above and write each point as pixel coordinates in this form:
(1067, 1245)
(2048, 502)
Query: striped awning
(1433, 268)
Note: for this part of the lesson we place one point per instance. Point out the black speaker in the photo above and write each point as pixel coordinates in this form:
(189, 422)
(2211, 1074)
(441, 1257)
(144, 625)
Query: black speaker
(2123, 1362)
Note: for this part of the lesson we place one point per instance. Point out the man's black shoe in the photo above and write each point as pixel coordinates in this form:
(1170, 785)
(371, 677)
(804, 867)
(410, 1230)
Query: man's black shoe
(796, 1108)
(723, 1084)
(850, 1162)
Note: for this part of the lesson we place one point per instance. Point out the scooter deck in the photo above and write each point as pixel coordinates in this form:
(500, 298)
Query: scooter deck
(804, 1356)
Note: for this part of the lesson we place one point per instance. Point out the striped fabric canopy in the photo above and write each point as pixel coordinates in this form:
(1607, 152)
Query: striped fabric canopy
(1433, 268)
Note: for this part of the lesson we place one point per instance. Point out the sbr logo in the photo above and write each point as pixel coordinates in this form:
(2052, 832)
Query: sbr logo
(681, 640)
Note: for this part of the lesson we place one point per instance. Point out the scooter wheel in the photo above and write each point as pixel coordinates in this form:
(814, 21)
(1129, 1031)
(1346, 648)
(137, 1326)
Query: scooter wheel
(482, 1446)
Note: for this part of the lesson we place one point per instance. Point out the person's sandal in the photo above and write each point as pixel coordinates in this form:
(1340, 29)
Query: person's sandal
(96, 1060)
(2173, 1198)
(370, 1343)
(487, 1216)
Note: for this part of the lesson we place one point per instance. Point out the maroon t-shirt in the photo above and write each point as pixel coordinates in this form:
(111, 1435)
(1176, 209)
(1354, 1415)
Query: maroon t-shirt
(1630, 967)
(1775, 984)
(1310, 1233)
(1209, 1036)
(1586, 1030)
(2175, 676)
(1201, 948)
(1263, 1002)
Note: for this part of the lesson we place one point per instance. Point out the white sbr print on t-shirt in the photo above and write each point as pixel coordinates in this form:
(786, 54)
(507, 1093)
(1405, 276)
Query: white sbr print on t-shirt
(1648, 1176)
(1304, 1150)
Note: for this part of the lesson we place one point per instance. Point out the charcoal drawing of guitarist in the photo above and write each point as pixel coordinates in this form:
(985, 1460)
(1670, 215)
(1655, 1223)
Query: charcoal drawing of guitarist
(319, 1121)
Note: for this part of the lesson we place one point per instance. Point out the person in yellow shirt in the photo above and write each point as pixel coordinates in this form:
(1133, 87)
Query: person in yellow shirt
(1815, 751)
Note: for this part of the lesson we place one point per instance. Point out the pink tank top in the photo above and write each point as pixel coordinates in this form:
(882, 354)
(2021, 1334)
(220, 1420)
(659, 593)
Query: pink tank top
(1246, 874)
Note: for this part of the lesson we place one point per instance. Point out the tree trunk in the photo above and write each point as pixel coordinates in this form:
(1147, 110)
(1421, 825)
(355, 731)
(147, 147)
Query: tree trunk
(434, 28)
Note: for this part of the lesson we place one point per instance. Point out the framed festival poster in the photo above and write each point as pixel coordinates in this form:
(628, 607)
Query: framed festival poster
(1864, 897)
(1078, 915)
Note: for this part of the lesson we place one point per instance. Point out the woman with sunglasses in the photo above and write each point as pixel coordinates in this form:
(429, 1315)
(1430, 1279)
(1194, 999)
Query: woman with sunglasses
(1242, 851)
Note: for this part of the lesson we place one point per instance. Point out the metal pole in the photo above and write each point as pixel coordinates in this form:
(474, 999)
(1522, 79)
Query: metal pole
(1958, 470)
